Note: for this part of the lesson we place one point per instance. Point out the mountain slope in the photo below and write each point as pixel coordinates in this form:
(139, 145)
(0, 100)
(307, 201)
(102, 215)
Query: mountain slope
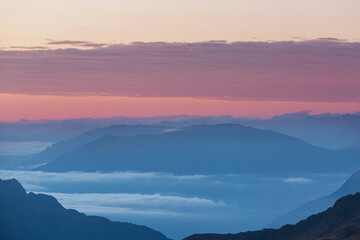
(225, 148)
(58, 149)
(342, 221)
(351, 186)
(51, 131)
(37, 216)
(326, 130)
(353, 146)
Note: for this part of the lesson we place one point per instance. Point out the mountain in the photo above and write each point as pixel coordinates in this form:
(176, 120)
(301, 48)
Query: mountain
(224, 148)
(48, 130)
(335, 131)
(58, 149)
(325, 130)
(293, 116)
(353, 146)
(36, 216)
(51, 131)
(328, 130)
(351, 186)
(342, 221)
(58, 130)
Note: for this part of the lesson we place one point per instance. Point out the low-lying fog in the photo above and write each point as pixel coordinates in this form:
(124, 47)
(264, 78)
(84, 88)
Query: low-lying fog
(180, 205)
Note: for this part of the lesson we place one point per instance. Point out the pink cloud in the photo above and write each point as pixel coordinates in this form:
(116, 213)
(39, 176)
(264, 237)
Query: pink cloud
(322, 70)
(77, 43)
(67, 42)
(29, 48)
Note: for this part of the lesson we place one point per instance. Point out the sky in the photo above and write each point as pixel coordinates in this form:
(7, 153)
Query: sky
(258, 58)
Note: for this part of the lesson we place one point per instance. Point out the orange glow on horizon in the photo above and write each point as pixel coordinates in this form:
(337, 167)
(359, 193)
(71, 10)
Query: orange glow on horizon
(32, 107)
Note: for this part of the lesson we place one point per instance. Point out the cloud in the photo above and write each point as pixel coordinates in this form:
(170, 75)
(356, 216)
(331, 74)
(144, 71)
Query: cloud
(93, 45)
(33, 187)
(134, 204)
(77, 43)
(29, 48)
(37, 177)
(172, 130)
(67, 42)
(103, 210)
(297, 180)
(132, 200)
(321, 70)
(118, 203)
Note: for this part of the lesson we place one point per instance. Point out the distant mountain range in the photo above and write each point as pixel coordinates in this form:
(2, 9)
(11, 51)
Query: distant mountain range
(351, 186)
(60, 148)
(36, 216)
(353, 146)
(49, 131)
(58, 130)
(342, 221)
(336, 131)
(223, 148)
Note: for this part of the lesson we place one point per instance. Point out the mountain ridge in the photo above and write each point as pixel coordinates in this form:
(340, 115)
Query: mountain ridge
(342, 221)
(351, 186)
(29, 216)
(60, 148)
(203, 149)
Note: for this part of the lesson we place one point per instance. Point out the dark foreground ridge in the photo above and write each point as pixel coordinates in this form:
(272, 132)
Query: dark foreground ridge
(41, 217)
(351, 186)
(342, 221)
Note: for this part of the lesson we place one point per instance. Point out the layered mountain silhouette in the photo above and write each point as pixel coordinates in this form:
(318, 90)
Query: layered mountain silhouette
(353, 146)
(224, 148)
(46, 131)
(334, 131)
(58, 149)
(342, 221)
(351, 186)
(36, 216)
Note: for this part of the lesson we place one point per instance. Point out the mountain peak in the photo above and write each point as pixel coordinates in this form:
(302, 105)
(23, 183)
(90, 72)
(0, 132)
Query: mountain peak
(11, 187)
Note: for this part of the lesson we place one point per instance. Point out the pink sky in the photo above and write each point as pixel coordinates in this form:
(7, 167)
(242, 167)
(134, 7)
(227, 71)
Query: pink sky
(254, 79)
(32, 107)
(257, 58)
(323, 70)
